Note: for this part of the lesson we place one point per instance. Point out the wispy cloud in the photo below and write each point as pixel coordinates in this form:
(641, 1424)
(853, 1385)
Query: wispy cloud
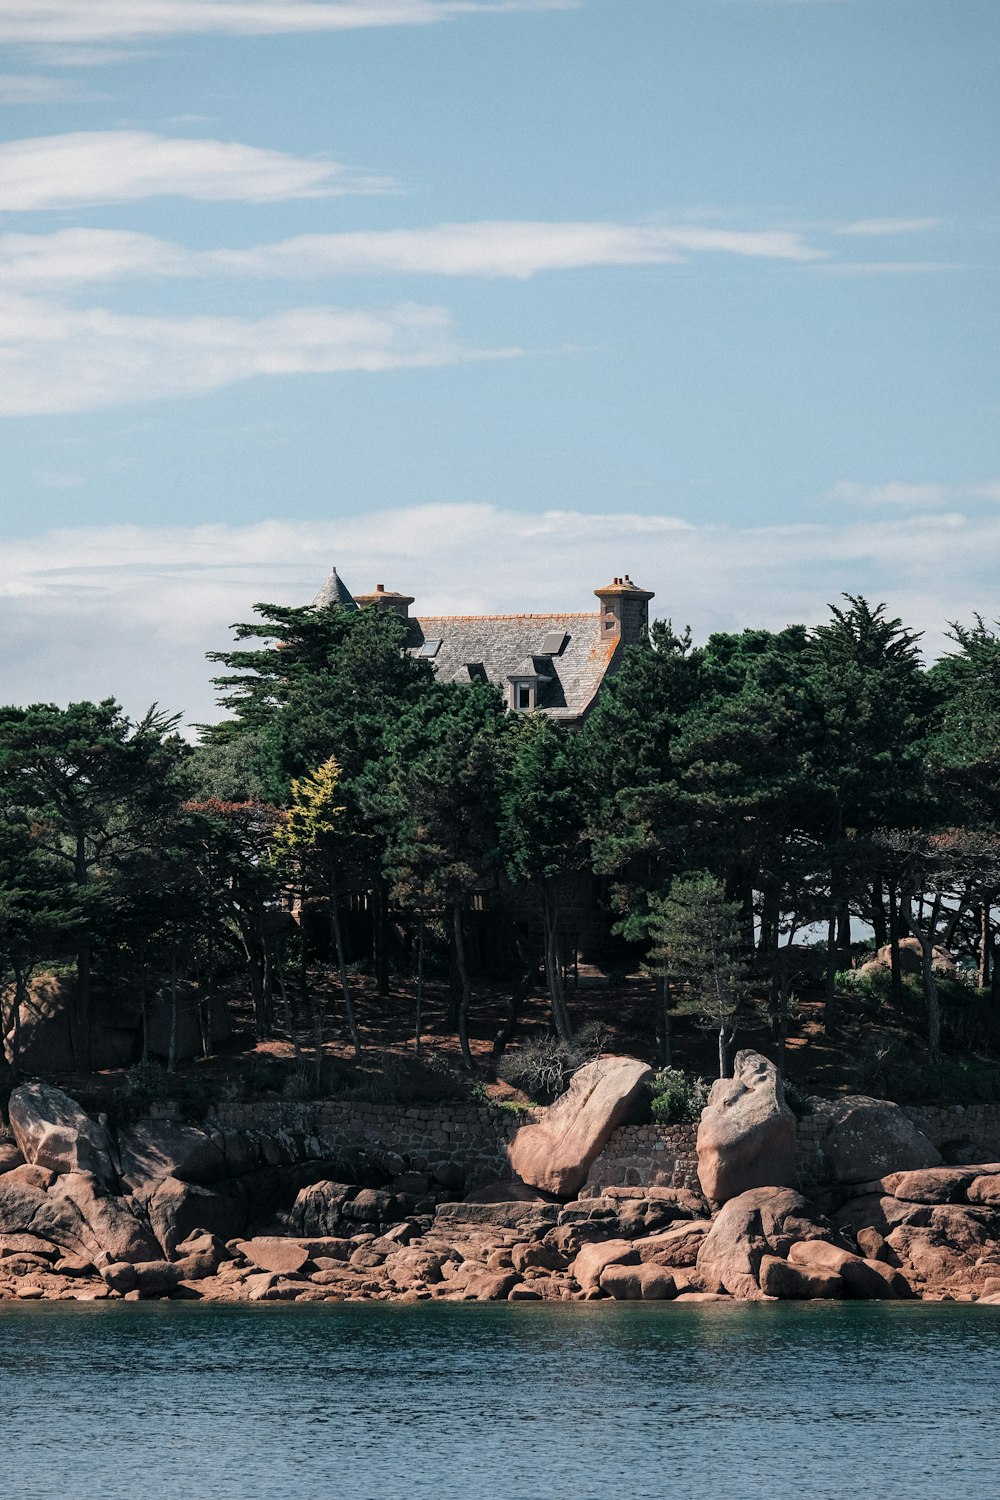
(492, 249)
(42, 88)
(119, 166)
(872, 228)
(69, 21)
(914, 496)
(131, 610)
(55, 358)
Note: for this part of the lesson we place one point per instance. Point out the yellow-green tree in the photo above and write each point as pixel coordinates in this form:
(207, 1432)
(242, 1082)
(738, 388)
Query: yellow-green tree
(308, 837)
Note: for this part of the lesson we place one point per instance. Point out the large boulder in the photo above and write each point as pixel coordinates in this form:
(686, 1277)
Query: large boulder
(746, 1138)
(114, 1229)
(177, 1209)
(155, 1149)
(869, 1138)
(910, 959)
(763, 1221)
(556, 1154)
(51, 1130)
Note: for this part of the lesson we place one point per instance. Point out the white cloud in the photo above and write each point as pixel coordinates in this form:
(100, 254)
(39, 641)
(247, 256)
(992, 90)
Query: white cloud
(38, 88)
(876, 227)
(81, 256)
(55, 358)
(914, 496)
(70, 21)
(506, 248)
(119, 166)
(492, 248)
(130, 611)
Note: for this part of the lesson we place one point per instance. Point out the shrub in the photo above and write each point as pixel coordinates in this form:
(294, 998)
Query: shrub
(143, 1084)
(676, 1098)
(542, 1066)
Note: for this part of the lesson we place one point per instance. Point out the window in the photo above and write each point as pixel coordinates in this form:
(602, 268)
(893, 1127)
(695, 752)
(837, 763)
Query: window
(553, 643)
(429, 648)
(522, 695)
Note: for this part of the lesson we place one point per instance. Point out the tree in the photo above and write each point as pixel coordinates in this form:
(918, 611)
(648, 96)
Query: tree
(443, 801)
(95, 789)
(698, 945)
(309, 836)
(327, 682)
(871, 705)
(544, 835)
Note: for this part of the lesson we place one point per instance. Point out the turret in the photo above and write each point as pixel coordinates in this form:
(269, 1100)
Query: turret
(624, 611)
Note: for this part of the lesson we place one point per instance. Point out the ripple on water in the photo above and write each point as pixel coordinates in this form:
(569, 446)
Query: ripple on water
(454, 1402)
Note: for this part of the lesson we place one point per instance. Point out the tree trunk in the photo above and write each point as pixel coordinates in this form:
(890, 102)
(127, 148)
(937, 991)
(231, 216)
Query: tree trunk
(879, 926)
(830, 1008)
(985, 943)
(553, 973)
(172, 1049)
(81, 1041)
(726, 1039)
(418, 1022)
(382, 940)
(895, 967)
(664, 1026)
(20, 985)
(286, 1009)
(338, 943)
(931, 998)
(458, 937)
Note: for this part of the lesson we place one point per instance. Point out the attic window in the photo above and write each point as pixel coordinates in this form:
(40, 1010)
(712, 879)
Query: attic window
(429, 648)
(553, 643)
(476, 671)
(522, 695)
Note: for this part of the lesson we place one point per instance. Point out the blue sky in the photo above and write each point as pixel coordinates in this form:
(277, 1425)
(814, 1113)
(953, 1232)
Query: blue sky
(494, 300)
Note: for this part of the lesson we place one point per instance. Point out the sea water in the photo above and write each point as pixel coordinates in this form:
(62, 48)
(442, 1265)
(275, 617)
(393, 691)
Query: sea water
(499, 1402)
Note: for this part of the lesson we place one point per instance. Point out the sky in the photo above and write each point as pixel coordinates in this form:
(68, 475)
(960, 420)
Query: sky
(489, 301)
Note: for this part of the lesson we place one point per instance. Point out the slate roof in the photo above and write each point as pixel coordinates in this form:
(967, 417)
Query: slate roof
(334, 591)
(511, 645)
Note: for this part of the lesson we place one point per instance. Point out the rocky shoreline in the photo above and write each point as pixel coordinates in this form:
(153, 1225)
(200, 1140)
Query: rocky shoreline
(168, 1210)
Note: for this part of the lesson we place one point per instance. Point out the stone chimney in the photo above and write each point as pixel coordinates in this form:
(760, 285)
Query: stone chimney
(624, 611)
(385, 600)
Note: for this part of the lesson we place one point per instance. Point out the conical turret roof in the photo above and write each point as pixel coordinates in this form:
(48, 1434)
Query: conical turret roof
(334, 591)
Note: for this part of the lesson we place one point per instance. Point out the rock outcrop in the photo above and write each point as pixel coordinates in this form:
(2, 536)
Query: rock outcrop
(556, 1154)
(284, 1229)
(51, 1130)
(763, 1221)
(746, 1138)
(869, 1137)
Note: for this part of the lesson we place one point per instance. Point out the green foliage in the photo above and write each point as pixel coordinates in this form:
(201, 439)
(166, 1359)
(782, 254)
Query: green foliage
(144, 1084)
(676, 1097)
(698, 942)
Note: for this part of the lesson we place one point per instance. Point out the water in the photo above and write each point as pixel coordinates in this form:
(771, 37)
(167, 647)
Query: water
(455, 1402)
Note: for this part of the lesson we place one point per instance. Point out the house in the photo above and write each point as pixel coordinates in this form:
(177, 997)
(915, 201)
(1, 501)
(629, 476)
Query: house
(552, 663)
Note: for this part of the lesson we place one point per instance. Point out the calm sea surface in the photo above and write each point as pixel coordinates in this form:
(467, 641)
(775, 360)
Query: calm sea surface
(506, 1402)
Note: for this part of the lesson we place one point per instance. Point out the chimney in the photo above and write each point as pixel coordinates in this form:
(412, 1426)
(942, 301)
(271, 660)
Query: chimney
(624, 611)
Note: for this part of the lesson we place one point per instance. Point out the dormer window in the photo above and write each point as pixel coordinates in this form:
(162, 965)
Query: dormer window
(523, 694)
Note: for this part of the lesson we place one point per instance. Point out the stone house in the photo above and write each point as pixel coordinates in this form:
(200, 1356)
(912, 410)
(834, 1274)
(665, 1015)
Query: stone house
(551, 663)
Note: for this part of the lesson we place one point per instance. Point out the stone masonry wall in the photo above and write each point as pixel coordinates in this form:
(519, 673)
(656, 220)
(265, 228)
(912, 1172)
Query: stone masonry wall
(646, 1156)
(474, 1139)
(395, 1137)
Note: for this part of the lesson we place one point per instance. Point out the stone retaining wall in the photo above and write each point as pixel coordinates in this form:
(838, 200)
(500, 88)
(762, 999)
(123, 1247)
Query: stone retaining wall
(474, 1139)
(646, 1156)
(396, 1137)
